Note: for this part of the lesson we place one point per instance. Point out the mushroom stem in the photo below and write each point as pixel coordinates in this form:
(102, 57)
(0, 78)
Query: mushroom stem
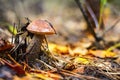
(34, 47)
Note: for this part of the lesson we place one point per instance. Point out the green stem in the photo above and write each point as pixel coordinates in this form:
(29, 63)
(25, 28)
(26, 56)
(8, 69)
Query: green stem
(113, 47)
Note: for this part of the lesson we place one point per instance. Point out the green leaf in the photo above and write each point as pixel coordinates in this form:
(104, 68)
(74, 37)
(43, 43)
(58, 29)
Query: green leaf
(12, 29)
(102, 4)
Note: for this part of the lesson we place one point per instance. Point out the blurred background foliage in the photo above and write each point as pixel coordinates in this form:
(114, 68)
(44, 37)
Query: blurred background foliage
(61, 13)
(12, 10)
(115, 2)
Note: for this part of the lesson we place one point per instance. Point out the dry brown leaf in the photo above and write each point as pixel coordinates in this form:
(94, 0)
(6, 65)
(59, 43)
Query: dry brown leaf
(5, 45)
(79, 70)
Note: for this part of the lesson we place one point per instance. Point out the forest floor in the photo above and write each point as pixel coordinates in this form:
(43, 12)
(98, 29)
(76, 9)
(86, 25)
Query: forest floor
(77, 55)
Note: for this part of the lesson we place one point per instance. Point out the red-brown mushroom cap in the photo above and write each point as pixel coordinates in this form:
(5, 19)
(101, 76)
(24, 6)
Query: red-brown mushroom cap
(40, 27)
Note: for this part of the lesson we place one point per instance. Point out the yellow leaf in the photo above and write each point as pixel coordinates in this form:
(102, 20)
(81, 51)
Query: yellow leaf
(81, 60)
(43, 76)
(102, 53)
(58, 48)
(78, 51)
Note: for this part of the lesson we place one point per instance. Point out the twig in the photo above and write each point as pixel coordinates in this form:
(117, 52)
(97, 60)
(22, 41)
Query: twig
(115, 23)
(81, 77)
(117, 73)
(87, 20)
(12, 50)
(92, 15)
(50, 67)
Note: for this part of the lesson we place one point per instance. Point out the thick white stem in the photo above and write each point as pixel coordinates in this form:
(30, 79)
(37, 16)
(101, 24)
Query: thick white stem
(34, 47)
(35, 44)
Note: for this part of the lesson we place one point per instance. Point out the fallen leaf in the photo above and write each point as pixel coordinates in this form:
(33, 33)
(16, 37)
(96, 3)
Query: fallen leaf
(79, 70)
(102, 53)
(80, 60)
(58, 48)
(16, 67)
(23, 78)
(45, 75)
(78, 51)
(5, 45)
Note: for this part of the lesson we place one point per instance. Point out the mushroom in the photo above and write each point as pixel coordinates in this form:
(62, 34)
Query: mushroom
(39, 28)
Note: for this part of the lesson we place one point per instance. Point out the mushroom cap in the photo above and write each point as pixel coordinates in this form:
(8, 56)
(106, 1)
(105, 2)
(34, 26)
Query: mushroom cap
(40, 27)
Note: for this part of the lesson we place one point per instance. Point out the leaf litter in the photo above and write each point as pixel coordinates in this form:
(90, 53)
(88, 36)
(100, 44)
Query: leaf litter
(75, 59)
